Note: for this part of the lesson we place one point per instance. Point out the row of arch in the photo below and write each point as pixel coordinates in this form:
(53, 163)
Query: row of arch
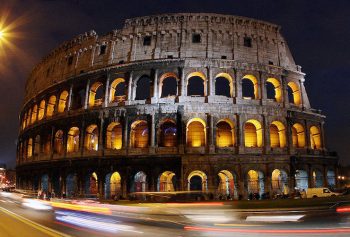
(168, 84)
(227, 183)
(196, 136)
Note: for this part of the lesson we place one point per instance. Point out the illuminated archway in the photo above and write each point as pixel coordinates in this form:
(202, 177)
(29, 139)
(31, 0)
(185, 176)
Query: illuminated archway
(255, 180)
(298, 135)
(140, 182)
(250, 87)
(51, 106)
(225, 136)
(117, 91)
(196, 84)
(196, 133)
(113, 186)
(168, 84)
(96, 94)
(71, 185)
(277, 134)
(91, 185)
(301, 180)
(226, 185)
(294, 93)
(197, 181)
(253, 136)
(58, 142)
(62, 103)
(317, 179)
(224, 85)
(73, 140)
(279, 180)
(143, 88)
(91, 138)
(114, 136)
(37, 145)
(41, 110)
(139, 134)
(166, 182)
(44, 183)
(168, 134)
(277, 89)
(34, 113)
(315, 138)
(30, 148)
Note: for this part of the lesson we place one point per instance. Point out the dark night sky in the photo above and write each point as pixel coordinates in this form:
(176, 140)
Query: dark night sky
(317, 32)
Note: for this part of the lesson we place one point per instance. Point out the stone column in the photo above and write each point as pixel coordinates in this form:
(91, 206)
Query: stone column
(301, 86)
(130, 88)
(153, 130)
(238, 85)
(183, 86)
(262, 79)
(69, 105)
(155, 87)
(266, 135)
(323, 145)
(240, 127)
(106, 99)
(210, 83)
(210, 126)
(285, 91)
(126, 133)
(101, 132)
(87, 90)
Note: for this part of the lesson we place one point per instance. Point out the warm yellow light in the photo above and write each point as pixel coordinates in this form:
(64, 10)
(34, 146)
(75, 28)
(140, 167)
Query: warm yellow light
(2, 34)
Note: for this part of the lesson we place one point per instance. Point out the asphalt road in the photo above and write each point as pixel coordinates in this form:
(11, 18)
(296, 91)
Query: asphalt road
(156, 220)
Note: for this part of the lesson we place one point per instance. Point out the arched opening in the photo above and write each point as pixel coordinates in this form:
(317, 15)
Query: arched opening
(78, 98)
(196, 133)
(30, 148)
(277, 134)
(139, 134)
(315, 138)
(331, 178)
(96, 94)
(113, 186)
(34, 113)
(140, 182)
(117, 91)
(196, 84)
(62, 103)
(250, 87)
(301, 180)
(226, 188)
(47, 144)
(37, 145)
(58, 142)
(168, 85)
(24, 122)
(252, 133)
(197, 181)
(224, 85)
(166, 182)
(91, 138)
(294, 96)
(298, 135)
(73, 140)
(143, 88)
(168, 134)
(41, 110)
(71, 185)
(44, 183)
(29, 121)
(255, 182)
(114, 136)
(317, 179)
(91, 185)
(279, 181)
(273, 89)
(51, 106)
(225, 134)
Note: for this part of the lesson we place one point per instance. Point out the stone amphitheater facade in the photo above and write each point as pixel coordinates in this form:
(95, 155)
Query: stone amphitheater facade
(168, 103)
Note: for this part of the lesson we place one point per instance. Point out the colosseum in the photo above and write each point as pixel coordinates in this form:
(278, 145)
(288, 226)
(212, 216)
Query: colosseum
(172, 102)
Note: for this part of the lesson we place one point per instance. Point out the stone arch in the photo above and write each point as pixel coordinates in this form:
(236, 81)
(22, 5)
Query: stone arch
(73, 140)
(317, 178)
(277, 134)
(139, 134)
(30, 148)
(253, 136)
(91, 185)
(196, 84)
(34, 113)
(113, 186)
(298, 135)
(197, 181)
(294, 94)
(168, 84)
(301, 180)
(143, 88)
(225, 134)
(91, 138)
(315, 138)
(58, 142)
(196, 133)
(331, 178)
(37, 145)
(71, 185)
(96, 94)
(114, 136)
(279, 181)
(140, 182)
(117, 91)
(255, 182)
(41, 111)
(50, 109)
(224, 84)
(62, 103)
(44, 183)
(227, 186)
(250, 87)
(166, 182)
(277, 90)
(168, 133)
